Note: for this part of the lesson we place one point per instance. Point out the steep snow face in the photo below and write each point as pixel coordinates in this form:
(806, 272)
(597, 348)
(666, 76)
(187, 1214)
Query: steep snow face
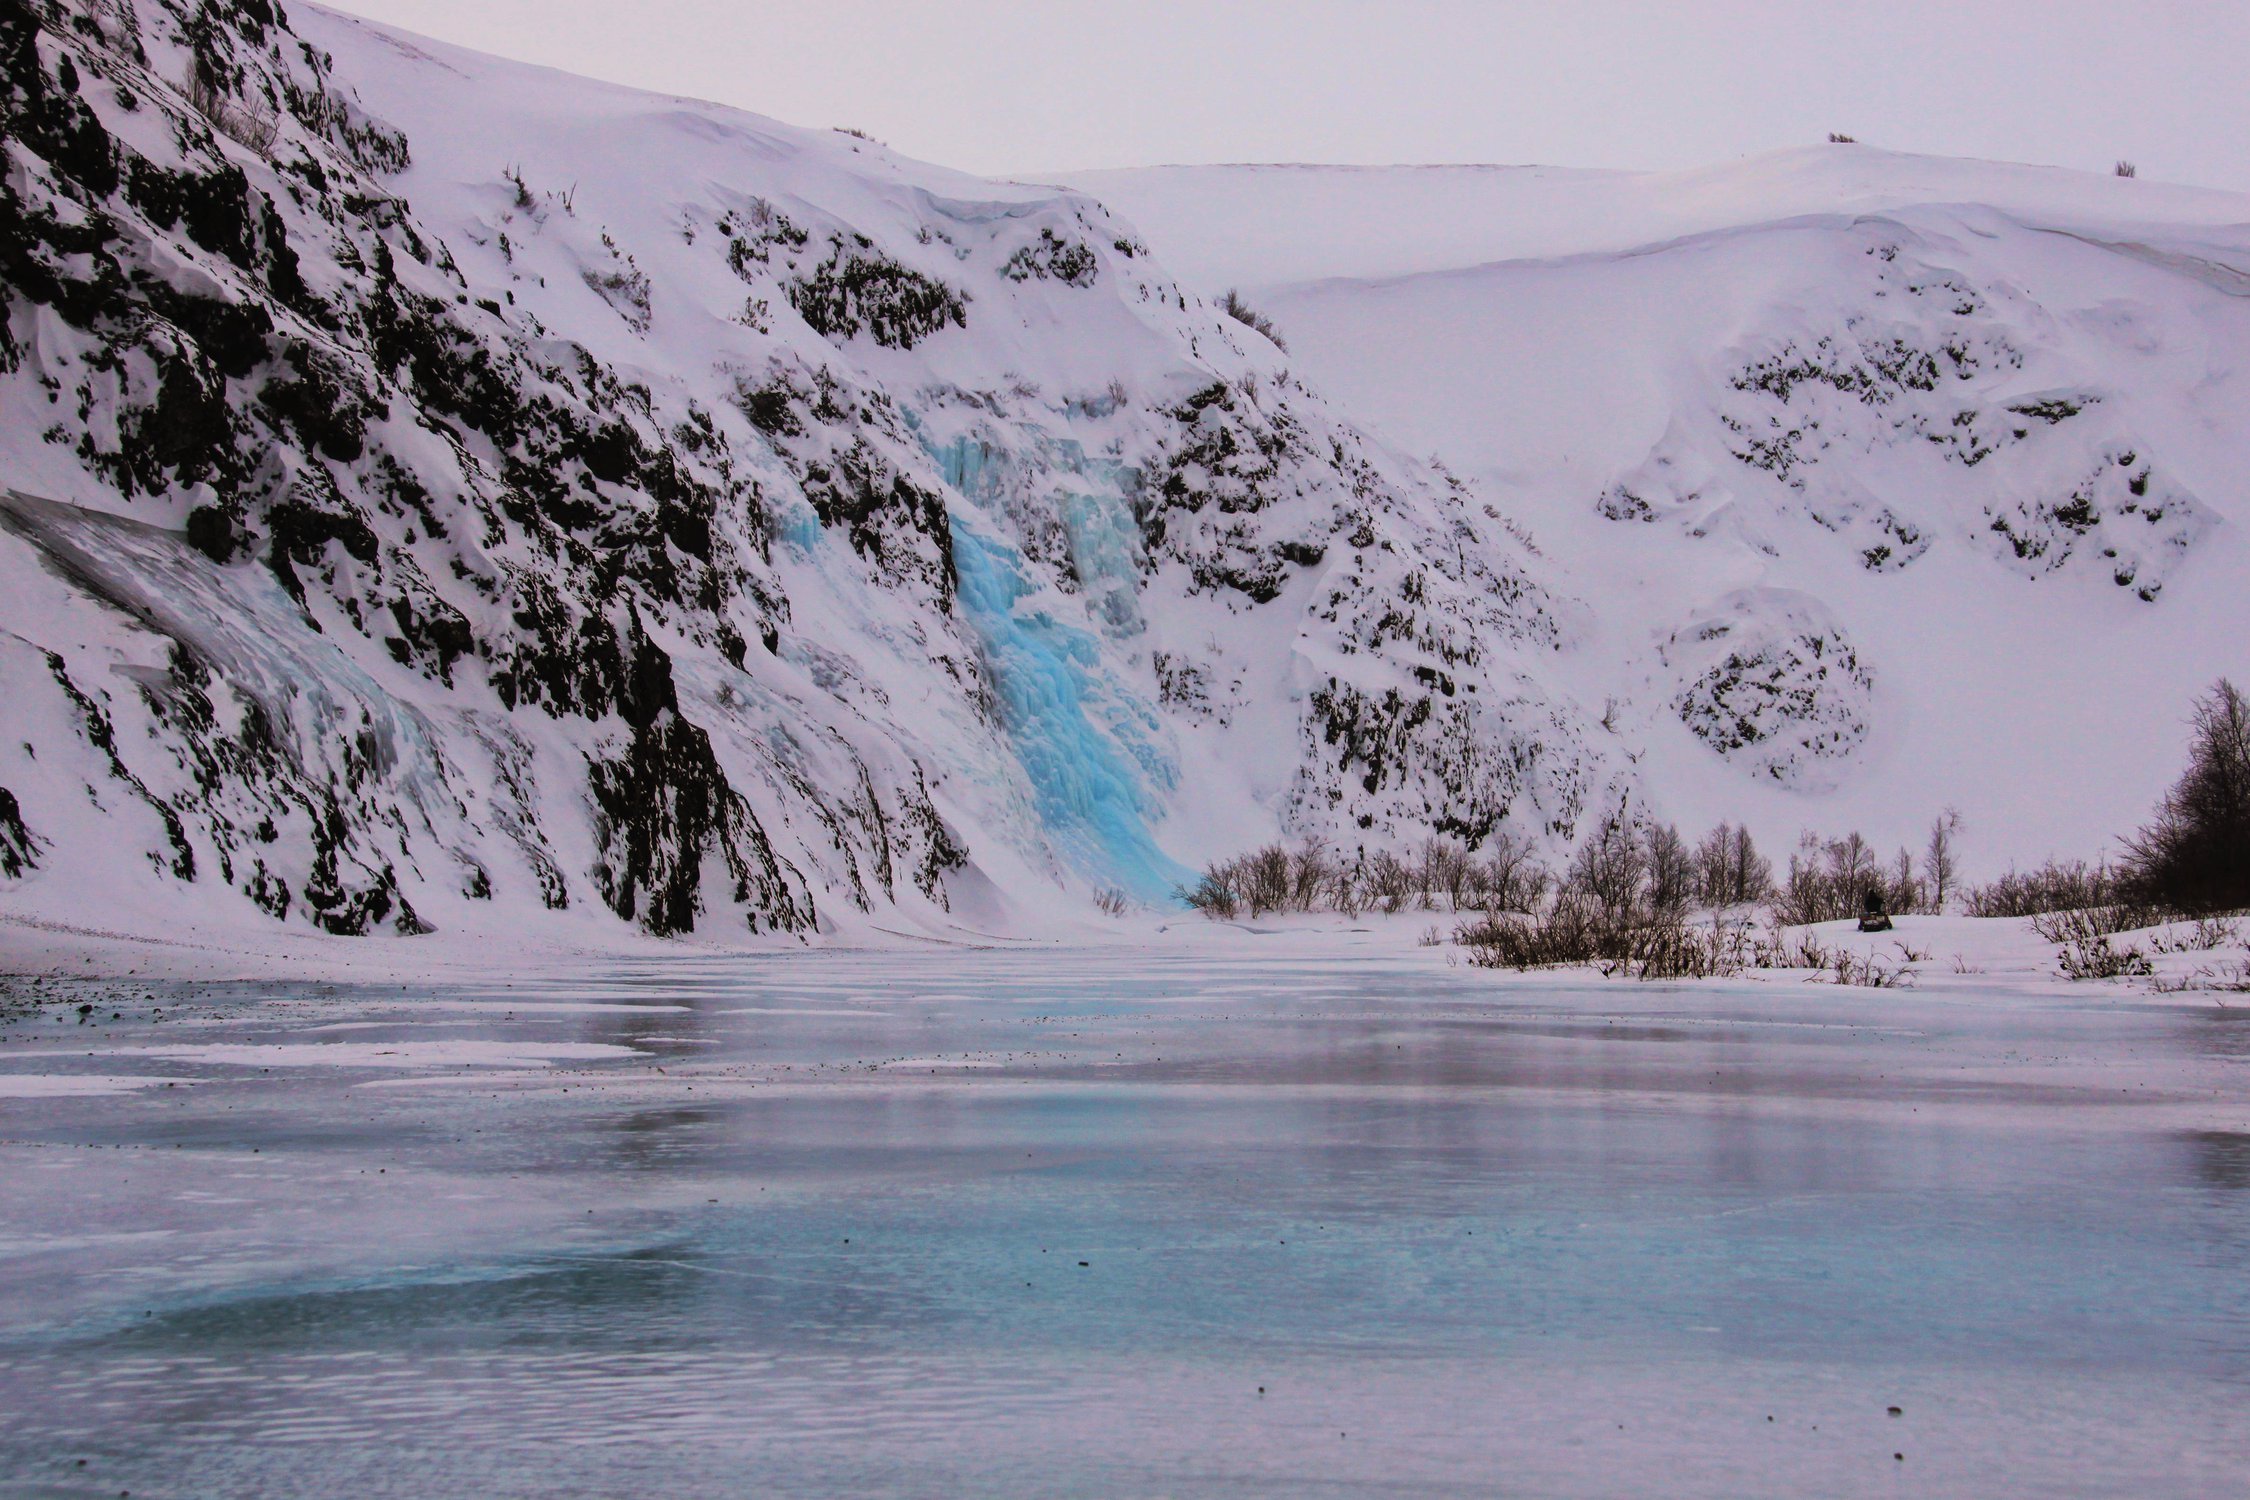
(1890, 482)
(442, 493)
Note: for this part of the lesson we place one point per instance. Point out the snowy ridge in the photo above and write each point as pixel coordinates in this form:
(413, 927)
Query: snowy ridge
(1890, 482)
(446, 494)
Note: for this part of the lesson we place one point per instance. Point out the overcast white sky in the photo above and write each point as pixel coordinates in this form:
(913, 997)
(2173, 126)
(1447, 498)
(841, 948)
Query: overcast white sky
(1024, 86)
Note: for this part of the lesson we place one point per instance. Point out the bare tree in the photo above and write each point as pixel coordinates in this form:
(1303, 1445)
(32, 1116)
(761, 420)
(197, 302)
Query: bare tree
(1750, 873)
(2195, 854)
(1729, 871)
(1671, 869)
(1311, 874)
(1851, 868)
(1390, 884)
(1264, 880)
(1444, 872)
(1713, 859)
(1903, 892)
(1940, 866)
(1512, 878)
(1611, 868)
(1213, 893)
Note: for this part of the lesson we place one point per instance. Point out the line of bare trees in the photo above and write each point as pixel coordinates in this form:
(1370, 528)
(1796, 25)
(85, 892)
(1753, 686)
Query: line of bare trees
(1625, 868)
(1441, 874)
(1630, 876)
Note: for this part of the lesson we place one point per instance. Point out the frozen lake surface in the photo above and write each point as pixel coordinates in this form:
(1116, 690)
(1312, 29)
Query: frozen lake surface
(1105, 1223)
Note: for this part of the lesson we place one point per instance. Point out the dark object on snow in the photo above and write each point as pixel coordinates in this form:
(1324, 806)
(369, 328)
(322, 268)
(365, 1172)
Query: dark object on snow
(1872, 915)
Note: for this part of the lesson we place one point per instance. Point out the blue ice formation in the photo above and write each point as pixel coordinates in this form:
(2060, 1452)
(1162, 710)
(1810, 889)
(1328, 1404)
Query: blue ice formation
(1097, 519)
(1088, 783)
(798, 524)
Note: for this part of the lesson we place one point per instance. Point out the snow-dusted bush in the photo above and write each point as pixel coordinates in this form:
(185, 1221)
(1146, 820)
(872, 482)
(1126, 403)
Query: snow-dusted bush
(1051, 257)
(1388, 881)
(2083, 947)
(1242, 312)
(1574, 929)
(858, 287)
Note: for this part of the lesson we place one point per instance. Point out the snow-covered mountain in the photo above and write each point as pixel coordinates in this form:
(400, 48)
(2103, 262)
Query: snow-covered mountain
(444, 493)
(1890, 482)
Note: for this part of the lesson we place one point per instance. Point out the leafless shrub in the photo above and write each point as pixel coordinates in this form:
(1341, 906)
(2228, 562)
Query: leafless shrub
(1696, 951)
(2083, 923)
(2082, 939)
(256, 127)
(1242, 312)
(1574, 929)
(2058, 885)
(1777, 948)
(2098, 960)
(2226, 978)
(1829, 880)
(1111, 902)
(1446, 871)
(1263, 879)
(1312, 877)
(1390, 884)
(1213, 894)
(1869, 972)
(1511, 877)
(2127, 169)
(1570, 931)
(1838, 138)
(2202, 936)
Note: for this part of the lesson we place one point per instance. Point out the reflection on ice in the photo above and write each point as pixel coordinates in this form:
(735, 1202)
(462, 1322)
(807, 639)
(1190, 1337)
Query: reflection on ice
(1071, 1225)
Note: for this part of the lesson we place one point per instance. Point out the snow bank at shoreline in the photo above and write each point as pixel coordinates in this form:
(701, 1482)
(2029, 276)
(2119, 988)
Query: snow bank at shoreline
(1948, 955)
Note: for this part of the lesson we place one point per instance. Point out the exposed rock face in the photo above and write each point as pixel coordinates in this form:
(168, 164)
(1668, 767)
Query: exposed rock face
(1771, 682)
(1871, 426)
(756, 533)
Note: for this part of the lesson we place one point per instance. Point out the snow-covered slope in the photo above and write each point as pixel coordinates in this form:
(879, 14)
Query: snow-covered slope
(443, 493)
(1890, 482)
